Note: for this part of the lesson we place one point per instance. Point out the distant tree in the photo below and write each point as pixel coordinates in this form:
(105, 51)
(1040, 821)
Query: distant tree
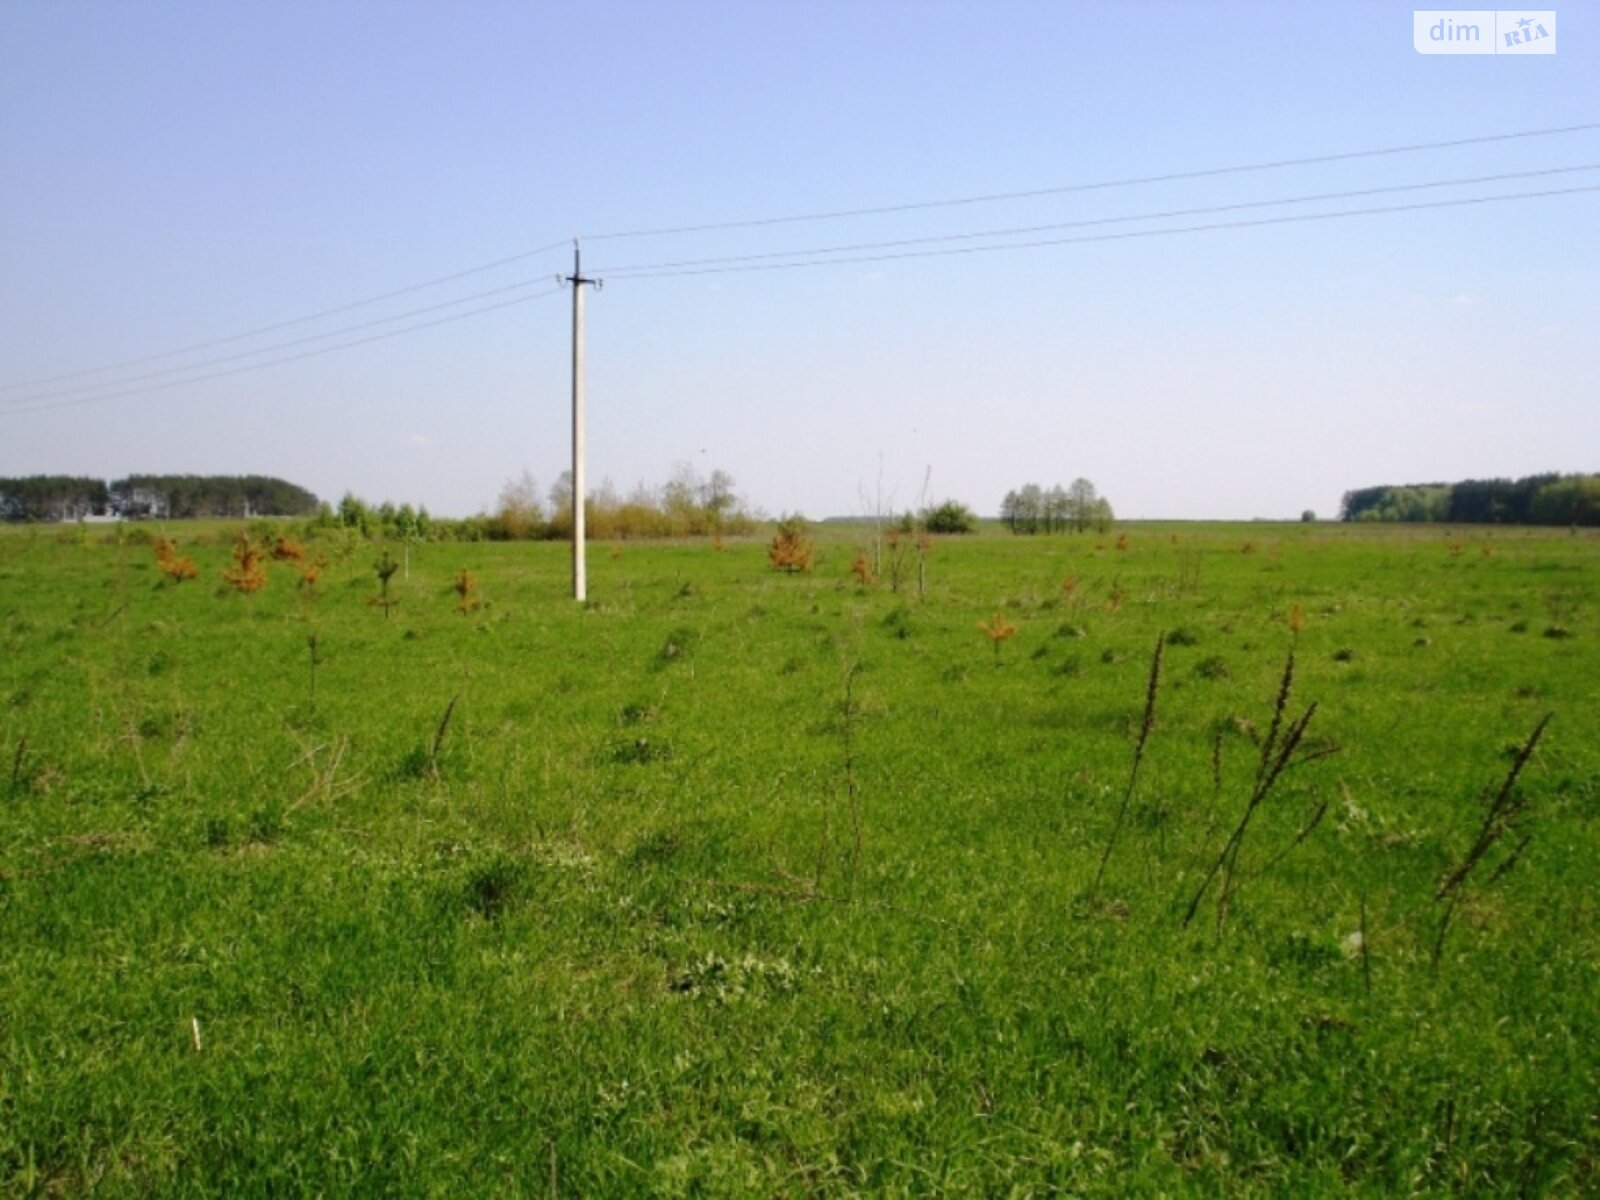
(1533, 499)
(1057, 509)
(1571, 501)
(1008, 510)
(949, 517)
(354, 513)
(52, 498)
(1308, 516)
(519, 513)
(1081, 499)
(1030, 508)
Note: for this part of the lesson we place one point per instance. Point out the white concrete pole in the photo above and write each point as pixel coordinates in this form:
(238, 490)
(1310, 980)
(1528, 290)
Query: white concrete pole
(580, 584)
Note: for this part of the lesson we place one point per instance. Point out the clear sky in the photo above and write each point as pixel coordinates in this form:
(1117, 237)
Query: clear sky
(174, 173)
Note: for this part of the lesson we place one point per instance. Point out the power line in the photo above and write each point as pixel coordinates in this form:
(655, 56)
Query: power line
(1111, 237)
(1064, 189)
(817, 262)
(709, 265)
(625, 271)
(287, 324)
(182, 368)
(377, 337)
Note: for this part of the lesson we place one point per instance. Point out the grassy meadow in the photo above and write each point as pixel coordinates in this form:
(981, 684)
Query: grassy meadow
(740, 883)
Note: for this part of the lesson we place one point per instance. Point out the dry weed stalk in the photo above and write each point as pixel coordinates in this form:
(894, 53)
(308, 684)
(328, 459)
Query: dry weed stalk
(1503, 814)
(1277, 754)
(16, 763)
(1145, 727)
(850, 711)
(324, 763)
(438, 736)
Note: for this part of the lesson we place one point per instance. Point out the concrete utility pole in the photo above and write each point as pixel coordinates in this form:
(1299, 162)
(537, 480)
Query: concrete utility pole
(580, 583)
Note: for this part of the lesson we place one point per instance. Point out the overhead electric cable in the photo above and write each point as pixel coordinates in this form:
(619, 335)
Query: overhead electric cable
(377, 337)
(1108, 237)
(1132, 181)
(183, 368)
(841, 214)
(287, 324)
(623, 271)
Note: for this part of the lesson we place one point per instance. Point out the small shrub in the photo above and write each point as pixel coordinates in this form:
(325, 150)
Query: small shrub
(311, 574)
(466, 589)
(286, 549)
(174, 566)
(247, 574)
(898, 622)
(791, 551)
(950, 517)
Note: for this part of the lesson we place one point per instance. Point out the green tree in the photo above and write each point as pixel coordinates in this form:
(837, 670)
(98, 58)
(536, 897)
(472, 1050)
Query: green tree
(949, 517)
(1081, 501)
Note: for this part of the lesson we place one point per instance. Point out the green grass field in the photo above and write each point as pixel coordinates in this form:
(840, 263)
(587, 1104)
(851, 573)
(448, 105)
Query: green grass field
(738, 883)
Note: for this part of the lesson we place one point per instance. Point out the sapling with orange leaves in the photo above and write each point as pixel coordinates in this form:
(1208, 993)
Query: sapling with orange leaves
(790, 550)
(174, 566)
(247, 574)
(999, 631)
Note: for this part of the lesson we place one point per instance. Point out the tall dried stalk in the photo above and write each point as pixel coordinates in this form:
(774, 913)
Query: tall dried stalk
(1145, 727)
(438, 736)
(1277, 751)
(1501, 816)
(852, 795)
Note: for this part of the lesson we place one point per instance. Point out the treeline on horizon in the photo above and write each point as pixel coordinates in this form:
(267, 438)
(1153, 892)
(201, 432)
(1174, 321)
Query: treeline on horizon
(687, 505)
(74, 497)
(1549, 499)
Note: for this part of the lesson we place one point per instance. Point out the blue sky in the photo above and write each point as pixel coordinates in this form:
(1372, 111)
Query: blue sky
(179, 173)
